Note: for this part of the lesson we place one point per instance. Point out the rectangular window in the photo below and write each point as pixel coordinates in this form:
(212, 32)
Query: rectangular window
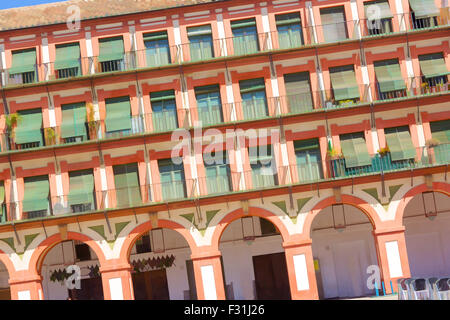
(245, 36)
(68, 60)
(157, 49)
(73, 127)
(81, 191)
(28, 133)
(23, 69)
(111, 56)
(378, 17)
(126, 181)
(389, 79)
(164, 111)
(143, 244)
(3, 216)
(172, 179)
(343, 81)
(217, 173)
(200, 43)
(425, 13)
(400, 144)
(118, 116)
(254, 101)
(36, 198)
(289, 27)
(209, 104)
(263, 166)
(334, 26)
(309, 163)
(440, 131)
(298, 91)
(82, 252)
(434, 71)
(355, 151)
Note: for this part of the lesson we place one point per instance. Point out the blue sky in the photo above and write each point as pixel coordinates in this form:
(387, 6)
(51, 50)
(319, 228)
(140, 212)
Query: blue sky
(5, 4)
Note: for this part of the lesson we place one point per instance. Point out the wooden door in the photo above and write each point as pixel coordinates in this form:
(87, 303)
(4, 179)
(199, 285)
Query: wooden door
(90, 289)
(151, 285)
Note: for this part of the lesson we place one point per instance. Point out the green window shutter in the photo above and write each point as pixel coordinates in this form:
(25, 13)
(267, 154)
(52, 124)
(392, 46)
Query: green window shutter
(354, 148)
(260, 154)
(344, 84)
(286, 19)
(199, 31)
(155, 36)
(81, 186)
(29, 129)
(23, 61)
(111, 49)
(162, 95)
(440, 130)
(252, 85)
(433, 65)
(118, 114)
(302, 145)
(126, 181)
(200, 42)
(424, 8)
(2, 192)
(36, 194)
(73, 120)
(157, 49)
(377, 10)
(400, 144)
(389, 75)
(243, 23)
(67, 56)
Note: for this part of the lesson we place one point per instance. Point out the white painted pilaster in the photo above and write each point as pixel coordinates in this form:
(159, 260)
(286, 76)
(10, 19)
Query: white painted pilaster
(301, 272)
(177, 37)
(115, 287)
(393, 257)
(309, 9)
(266, 29)
(209, 283)
(222, 37)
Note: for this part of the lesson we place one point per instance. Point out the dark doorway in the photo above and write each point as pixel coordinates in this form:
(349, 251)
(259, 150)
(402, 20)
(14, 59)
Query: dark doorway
(151, 285)
(91, 289)
(271, 277)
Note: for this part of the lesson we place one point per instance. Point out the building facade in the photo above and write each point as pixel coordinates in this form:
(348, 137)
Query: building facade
(311, 147)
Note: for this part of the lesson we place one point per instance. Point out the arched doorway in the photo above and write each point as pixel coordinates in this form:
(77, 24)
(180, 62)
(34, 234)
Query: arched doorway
(427, 222)
(253, 260)
(343, 248)
(5, 292)
(55, 269)
(161, 266)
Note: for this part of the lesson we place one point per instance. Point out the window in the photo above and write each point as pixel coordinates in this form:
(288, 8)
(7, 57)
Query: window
(254, 102)
(172, 179)
(81, 191)
(389, 79)
(245, 36)
(289, 29)
(267, 227)
(217, 173)
(263, 166)
(28, 133)
(309, 163)
(400, 144)
(424, 13)
(164, 111)
(3, 216)
(36, 198)
(111, 56)
(73, 127)
(200, 43)
(378, 17)
(82, 252)
(143, 244)
(343, 81)
(298, 91)
(157, 49)
(118, 116)
(434, 71)
(126, 181)
(67, 62)
(23, 69)
(209, 104)
(440, 131)
(334, 26)
(355, 151)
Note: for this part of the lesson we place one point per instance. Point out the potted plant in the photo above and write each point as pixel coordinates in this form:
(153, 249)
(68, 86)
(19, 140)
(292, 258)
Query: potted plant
(384, 151)
(334, 153)
(12, 120)
(50, 136)
(431, 143)
(90, 119)
(425, 87)
(329, 102)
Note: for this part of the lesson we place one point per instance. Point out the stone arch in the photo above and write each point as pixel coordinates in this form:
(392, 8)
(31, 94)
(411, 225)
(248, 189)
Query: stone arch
(4, 258)
(239, 213)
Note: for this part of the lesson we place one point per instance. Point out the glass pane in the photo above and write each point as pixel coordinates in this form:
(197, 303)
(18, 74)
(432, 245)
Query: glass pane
(157, 53)
(245, 40)
(290, 36)
(254, 105)
(201, 47)
(164, 115)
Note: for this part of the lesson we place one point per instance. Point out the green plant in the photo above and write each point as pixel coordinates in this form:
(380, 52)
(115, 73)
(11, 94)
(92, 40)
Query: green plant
(12, 120)
(50, 136)
(59, 276)
(334, 153)
(384, 151)
(431, 143)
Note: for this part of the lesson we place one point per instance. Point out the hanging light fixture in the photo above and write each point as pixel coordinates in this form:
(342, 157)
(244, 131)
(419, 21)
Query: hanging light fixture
(338, 217)
(429, 204)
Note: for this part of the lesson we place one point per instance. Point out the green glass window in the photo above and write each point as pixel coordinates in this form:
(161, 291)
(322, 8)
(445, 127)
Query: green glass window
(289, 29)
(400, 144)
(74, 121)
(157, 49)
(81, 191)
(200, 42)
(263, 166)
(334, 26)
(29, 129)
(245, 36)
(389, 75)
(424, 8)
(309, 163)
(126, 181)
(172, 179)
(3, 216)
(209, 104)
(355, 151)
(111, 49)
(68, 57)
(344, 84)
(164, 110)
(217, 174)
(23, 61)
(254, 102)
(440, 130)
(118, 114)
(36, 197)
(433, 65)
(298, 91)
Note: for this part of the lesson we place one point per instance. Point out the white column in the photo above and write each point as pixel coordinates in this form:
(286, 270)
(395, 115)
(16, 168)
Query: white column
(266, 29)
(221, 31)
(177, 38)
(355, 18)
(90, 51)
(366, 83)
(46, 56)
(312, 27)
